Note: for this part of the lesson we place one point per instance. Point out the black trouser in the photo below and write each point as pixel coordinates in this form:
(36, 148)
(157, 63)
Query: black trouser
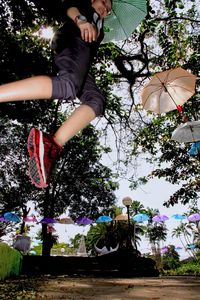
(73, 79)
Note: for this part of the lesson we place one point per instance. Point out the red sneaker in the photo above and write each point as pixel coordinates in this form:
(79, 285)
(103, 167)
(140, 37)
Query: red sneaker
(43, 152)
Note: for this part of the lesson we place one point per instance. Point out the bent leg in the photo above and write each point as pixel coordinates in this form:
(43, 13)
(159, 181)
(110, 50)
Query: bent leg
(37, 87)
(93, 105)
(78, 120)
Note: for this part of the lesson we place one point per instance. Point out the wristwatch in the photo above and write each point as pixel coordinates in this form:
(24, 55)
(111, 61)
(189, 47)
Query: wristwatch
(80, 18)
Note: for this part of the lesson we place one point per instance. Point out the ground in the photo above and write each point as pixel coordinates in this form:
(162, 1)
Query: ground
(62, 287)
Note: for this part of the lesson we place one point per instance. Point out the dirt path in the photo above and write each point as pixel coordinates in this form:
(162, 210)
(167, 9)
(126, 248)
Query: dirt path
(55, 288)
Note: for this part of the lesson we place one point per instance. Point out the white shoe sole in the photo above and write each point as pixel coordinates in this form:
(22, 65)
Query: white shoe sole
(41, 156)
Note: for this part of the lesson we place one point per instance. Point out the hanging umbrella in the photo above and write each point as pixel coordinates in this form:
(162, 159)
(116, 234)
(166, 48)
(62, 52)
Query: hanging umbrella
(160, 218)
(125, 16)
(194, 217)
(192, 246)
(141, 218)
(102, 219)
(66, 220)
(12, 217)
(84, 221)
(178, 248)
(178, 217)
(47, 221)
(30, 219)
(168, 90)
(2, 219)
(164, 250)
(121, 217)
(188, 132)
(194, 149)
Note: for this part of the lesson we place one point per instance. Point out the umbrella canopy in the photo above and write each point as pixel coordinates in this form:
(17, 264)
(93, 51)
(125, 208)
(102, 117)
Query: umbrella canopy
(192, 246)
(84, 221)
(178, 217)
(188, 132)
(141, 218)
(66, 220)
(160, 218)
(195, 149)
(178, 248)
(164, 250)
(30, 219)
(194, 217)
(125, 16)
(102, 219)
(2, 219)
(12, 217)
(168, 90)
(121, 217)
(48, 220)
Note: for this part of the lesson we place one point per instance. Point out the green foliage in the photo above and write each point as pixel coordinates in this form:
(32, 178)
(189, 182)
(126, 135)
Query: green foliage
(170, 260)
(10, 261)
(189, 269)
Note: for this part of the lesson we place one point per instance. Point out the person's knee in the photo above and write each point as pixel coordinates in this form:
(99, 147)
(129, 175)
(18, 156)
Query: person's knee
(63, 88)
(96, 102)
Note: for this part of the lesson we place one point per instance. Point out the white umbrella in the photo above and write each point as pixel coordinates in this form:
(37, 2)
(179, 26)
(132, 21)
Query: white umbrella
(168, 90)
(188, 132)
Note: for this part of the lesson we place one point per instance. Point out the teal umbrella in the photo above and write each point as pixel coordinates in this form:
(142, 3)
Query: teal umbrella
(125, 16)
(12, 217)
(141, 218)
(102, 219)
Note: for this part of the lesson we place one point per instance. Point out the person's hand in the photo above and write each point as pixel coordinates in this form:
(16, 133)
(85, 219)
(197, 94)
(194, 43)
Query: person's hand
(88, 31)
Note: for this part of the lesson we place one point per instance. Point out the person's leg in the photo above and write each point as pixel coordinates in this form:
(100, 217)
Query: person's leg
(37, 87)
(78, 120)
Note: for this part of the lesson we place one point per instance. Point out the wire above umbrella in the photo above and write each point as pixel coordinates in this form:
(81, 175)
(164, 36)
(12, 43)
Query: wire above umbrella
(168, 90)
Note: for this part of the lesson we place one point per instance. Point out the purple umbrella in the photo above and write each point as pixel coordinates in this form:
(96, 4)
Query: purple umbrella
(160, 218)
(47, 221)
(178, 248)
(164, 250)
(84, 221)
(194, 217)
(2, 219)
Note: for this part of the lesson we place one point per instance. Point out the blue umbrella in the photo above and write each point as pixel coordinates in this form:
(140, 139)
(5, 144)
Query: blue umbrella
(12, 217)
(178, 217)
(192, 246)
(102, 219)
(195, 149)
(141, 218)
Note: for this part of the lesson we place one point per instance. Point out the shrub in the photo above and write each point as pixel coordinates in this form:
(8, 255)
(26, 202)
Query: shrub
(10, 261)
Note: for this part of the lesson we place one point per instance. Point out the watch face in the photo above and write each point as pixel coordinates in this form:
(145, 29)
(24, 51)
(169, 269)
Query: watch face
(82, 18)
